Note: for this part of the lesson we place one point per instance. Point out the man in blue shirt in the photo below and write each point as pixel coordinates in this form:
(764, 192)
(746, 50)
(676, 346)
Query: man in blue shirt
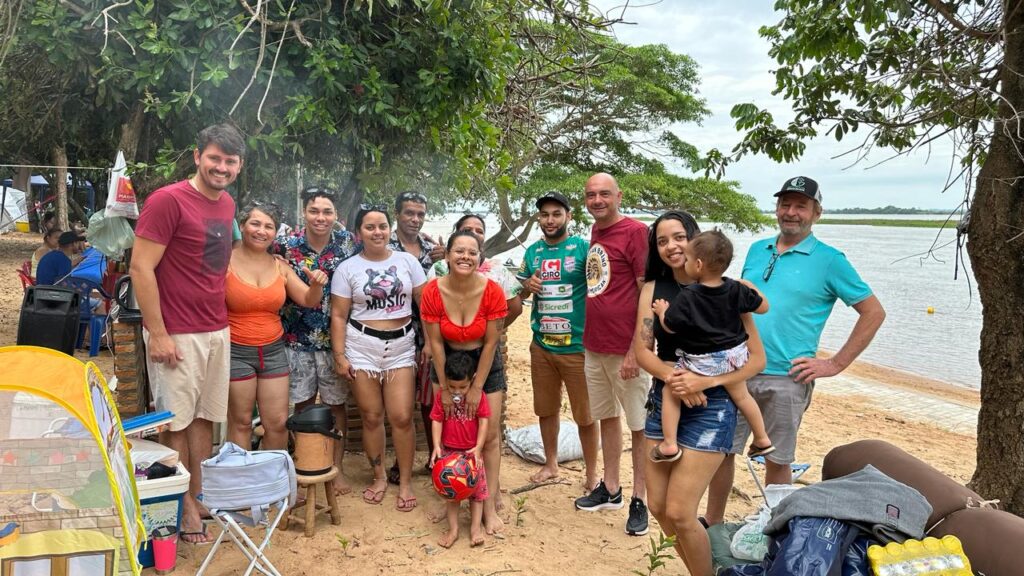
(801, 277)
(57, 264)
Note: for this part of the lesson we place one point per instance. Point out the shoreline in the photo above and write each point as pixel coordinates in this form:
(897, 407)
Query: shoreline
(911, 381)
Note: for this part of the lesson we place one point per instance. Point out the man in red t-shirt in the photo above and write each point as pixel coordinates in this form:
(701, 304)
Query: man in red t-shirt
(179, 260)
(615, 385)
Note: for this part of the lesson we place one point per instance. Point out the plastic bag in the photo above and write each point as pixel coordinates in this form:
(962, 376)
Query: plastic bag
(121, 199)
(145, 453)
(818, 547)
(749, 542)
(110, 235)
(526, 443)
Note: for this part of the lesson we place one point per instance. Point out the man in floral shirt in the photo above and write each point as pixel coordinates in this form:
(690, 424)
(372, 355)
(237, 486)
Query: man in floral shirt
(307, 330)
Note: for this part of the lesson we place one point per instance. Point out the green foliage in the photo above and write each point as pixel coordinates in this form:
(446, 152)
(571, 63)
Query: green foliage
(659, 554)
(887, 65)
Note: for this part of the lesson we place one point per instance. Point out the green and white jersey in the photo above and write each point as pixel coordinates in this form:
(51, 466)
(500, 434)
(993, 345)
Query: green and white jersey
(559, 309)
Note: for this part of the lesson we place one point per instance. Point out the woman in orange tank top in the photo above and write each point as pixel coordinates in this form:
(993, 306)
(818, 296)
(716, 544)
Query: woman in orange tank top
(256, 287)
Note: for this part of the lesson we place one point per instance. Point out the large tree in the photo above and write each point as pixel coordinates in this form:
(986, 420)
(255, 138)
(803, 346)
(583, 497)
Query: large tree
(899, 74)
(578, 102)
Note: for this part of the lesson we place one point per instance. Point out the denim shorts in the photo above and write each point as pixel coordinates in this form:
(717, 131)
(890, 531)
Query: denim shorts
(705, 429)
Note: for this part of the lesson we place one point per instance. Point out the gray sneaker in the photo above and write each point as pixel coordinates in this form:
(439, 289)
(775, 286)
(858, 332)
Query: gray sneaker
(636, 525)
(600, 499)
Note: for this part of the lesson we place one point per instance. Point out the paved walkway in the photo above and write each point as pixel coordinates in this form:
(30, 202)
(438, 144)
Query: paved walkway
(905, 403)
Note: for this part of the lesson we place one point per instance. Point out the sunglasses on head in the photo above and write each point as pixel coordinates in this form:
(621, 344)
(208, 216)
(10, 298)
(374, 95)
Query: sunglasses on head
(413, 196)
(318, 191)
(373, 208)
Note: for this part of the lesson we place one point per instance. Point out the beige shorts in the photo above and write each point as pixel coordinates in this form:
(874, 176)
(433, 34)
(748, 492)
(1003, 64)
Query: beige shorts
(610, 395)
(197, 387)
(549, 371)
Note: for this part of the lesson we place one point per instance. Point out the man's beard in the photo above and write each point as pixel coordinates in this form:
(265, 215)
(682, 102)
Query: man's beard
(558, 233)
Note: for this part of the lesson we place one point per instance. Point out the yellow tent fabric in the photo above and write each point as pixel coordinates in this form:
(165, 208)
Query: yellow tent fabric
(81, 391)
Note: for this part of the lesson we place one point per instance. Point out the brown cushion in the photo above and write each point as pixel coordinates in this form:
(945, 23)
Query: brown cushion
(943, 493)
(991, 538)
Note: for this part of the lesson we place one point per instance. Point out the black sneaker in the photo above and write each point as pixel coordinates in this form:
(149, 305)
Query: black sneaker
(637, 523)
(600, 499)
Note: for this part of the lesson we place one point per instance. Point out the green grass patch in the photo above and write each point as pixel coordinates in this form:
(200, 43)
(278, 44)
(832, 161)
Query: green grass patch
(890, 222)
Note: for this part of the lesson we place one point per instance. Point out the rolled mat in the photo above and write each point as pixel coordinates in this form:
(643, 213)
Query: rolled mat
(991, 539)
(943, 493)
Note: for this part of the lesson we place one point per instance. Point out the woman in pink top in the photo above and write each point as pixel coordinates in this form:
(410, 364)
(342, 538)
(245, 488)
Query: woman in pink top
(465, 311)
(255, 290)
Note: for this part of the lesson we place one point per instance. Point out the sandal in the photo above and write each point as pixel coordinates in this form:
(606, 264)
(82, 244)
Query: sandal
(371, 496)
(657, 455)
(756, 451)
(405, 504)
(197, 538)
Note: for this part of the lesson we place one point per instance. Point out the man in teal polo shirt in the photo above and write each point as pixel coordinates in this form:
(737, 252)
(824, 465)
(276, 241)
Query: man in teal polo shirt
(554, 271)
(801, 277)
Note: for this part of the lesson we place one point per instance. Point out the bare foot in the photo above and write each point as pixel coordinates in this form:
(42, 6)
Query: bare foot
(499, 502)
(544, 474)
(476, 537)
(341, 485)
(448, 538)
(438, 514)
(493, 524)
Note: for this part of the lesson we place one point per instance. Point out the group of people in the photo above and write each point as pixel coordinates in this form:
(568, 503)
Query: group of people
(390, 316)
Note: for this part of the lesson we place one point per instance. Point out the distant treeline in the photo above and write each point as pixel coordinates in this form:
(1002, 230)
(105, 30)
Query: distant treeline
(887, 210)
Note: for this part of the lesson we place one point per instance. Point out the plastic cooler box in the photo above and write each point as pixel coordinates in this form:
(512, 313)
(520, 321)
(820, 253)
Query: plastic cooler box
(161, 501)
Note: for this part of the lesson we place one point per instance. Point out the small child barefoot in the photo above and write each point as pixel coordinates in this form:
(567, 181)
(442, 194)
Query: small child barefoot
(448, 538)
(476, 536)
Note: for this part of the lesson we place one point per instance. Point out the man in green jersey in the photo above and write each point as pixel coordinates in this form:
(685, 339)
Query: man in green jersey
(554, 271)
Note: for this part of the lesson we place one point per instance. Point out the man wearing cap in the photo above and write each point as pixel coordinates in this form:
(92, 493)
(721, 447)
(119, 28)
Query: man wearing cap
(554, 271)
(802, 277)
(57, 264)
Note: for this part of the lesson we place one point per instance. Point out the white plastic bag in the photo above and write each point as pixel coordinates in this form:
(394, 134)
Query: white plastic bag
(526, 443)
(749, 542)
(121, 200)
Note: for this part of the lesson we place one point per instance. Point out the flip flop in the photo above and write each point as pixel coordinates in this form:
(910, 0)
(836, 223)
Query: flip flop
(755, 451)
(657, 455)
(200, 537)
(405, 504)
(371, 496)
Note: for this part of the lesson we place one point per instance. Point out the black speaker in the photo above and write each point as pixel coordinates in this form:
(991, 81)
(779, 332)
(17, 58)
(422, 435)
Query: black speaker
(49, 318)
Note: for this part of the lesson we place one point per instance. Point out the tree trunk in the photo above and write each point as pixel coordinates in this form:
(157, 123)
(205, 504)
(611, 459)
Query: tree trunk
(131, 132)
(60, 186)
(995, 245)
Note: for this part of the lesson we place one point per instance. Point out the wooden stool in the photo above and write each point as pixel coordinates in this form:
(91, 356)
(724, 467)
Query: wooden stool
(312, 508)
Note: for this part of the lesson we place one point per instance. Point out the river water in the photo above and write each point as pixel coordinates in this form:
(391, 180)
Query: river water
(893, 261)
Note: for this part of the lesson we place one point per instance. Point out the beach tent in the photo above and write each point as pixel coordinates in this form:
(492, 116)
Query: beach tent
(68, 502)
(13, 209)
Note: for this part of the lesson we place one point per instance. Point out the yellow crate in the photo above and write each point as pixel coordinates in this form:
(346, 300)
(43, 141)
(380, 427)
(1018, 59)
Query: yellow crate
(21, 226)
(928, 557)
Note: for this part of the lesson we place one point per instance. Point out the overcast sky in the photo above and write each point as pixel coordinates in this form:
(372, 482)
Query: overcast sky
(734, 66)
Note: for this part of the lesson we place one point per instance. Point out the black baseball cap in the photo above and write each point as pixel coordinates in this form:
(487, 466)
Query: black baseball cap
(554, 197)
(801, 185)
(68, 238)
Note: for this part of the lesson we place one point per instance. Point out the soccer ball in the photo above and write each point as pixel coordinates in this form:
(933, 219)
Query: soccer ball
(455, 476)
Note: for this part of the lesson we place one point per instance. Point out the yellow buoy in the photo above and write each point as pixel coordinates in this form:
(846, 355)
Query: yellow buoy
(931, 310)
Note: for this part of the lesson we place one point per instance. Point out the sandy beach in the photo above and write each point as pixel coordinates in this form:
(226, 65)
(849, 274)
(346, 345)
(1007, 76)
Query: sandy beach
(546, 535)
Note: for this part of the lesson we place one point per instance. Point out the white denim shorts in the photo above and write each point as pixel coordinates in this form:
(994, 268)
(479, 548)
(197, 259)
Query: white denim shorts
(376, 355)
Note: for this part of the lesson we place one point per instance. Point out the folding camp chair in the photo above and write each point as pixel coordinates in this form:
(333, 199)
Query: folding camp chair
(231, 521)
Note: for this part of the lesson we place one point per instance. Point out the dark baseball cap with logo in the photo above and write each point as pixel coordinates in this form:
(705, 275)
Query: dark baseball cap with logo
(801, 185)
(68, 238)
(554, 197)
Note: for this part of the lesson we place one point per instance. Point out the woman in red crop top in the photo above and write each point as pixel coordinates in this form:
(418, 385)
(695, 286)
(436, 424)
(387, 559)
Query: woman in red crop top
(465, 311)
(255, 289)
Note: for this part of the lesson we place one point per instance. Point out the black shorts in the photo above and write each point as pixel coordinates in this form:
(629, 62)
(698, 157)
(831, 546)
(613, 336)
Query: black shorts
(495, 378)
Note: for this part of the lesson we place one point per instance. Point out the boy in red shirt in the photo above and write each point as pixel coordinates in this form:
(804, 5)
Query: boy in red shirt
(459, 433)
